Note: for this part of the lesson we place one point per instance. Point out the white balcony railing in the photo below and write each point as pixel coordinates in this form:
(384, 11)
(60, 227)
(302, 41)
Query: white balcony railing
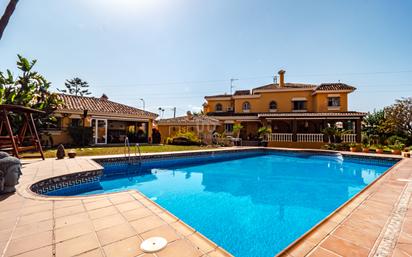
(349, 138)
(310, 137)
(280, 137)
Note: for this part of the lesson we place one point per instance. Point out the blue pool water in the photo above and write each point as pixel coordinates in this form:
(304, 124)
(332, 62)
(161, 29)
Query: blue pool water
(254, 206)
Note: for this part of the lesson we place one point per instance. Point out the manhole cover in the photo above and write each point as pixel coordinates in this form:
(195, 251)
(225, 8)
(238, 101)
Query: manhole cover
(153, 244)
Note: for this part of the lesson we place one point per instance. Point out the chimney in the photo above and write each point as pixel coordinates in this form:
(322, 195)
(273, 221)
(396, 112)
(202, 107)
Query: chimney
(104, 97)
(189, 115)
(281, 78)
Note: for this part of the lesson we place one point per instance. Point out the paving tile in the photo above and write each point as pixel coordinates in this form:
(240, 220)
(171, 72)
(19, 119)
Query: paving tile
(129, 247)
(66, 203)
(35, 217)
(181, 248)
(97, 204)
(5, 234)
(320, 252)
(115, 233)
(128, 206)
(182, 228)
(137, 214)
(29, 243)
(302, 248)
(72, 219)
(37, 208)
(218, 253)
(201, 242)
(8, 223)
(32, 228)
(147, 223)
(77, 245)
(164, 231)
(67, 211)
(92, 253)
(167, 217)
(406, 248)
(343, 247)
(108, 221)
(399, 253)
(361, 237)
(105, 211)
(72, 231)
(41, 252)
(121, 198)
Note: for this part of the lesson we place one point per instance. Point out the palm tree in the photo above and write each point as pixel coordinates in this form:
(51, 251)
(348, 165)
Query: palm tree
(6, 16)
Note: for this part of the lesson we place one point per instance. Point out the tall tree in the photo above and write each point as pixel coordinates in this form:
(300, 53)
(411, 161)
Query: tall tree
(6, 16)
(76, 86)
(399, 116)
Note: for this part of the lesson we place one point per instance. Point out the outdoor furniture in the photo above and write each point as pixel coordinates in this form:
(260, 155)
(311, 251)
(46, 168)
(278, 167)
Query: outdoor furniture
(20, 142)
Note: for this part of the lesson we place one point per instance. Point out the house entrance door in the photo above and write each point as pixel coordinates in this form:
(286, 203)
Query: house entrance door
(99, 127)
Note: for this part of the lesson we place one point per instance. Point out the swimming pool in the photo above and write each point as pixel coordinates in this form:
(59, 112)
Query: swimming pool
(251, 206)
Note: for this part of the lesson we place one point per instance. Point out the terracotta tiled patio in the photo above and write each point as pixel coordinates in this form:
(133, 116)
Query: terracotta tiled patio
(377, 222)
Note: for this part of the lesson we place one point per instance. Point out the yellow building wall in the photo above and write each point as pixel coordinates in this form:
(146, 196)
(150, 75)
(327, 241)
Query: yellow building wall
(225, 105)
(315, 103)
(283, 100)
(321, 102)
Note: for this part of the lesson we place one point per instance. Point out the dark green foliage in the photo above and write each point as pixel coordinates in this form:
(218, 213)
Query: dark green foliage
(76, 86)
(29, 89)
(77, 135)
(337, 147)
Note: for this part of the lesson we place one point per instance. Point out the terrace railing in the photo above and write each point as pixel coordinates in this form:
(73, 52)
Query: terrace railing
(310, 137)
(349, 138)
(281, 137)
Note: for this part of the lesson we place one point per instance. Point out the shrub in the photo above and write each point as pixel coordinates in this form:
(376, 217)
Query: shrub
(184, 138)
(392, 140)
(336, 147)
(77, 135)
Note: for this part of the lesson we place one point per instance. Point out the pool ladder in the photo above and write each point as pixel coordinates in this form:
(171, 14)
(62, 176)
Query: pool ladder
(127, 151)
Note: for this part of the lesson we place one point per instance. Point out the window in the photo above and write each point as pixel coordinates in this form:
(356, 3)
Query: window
(299, 105)
(229, 127)
(333, 101)
(246, 107)
(218, 107)
(273, 105)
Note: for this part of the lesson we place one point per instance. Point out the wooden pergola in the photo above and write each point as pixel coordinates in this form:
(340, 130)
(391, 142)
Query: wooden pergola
(21, 141)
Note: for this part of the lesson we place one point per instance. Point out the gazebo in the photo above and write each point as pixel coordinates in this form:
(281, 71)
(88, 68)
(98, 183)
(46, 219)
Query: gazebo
(26, 138)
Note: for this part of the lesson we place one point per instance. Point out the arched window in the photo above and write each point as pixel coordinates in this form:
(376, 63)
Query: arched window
(273, 105)
(218, 107)
(246, 106)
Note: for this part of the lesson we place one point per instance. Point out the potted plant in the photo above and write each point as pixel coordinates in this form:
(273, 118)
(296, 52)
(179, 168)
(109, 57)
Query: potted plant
(263, 133)
(72, 154)
(406, 152)
(396, 148)
(379, 148)
(353, 147)
(365, 148)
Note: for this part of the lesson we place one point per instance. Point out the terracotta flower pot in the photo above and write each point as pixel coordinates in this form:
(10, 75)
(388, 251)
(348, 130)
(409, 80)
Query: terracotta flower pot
(406, 154)
(378, 150)
(72, 154)
(396, 151)
(353, 149)
(365, 150)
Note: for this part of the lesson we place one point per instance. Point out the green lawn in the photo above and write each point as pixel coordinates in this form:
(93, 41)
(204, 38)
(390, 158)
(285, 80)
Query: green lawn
(108, 150)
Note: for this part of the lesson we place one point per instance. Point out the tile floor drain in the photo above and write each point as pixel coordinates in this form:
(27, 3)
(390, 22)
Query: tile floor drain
(153, 244)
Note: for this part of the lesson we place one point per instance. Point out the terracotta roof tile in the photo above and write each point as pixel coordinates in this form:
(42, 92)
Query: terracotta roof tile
(334, 86)
(100, 105)
(287, 85)
(242, 92)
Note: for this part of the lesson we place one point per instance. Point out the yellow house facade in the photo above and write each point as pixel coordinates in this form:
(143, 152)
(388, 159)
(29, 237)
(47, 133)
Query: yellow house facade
(110, 122)
(296, 113)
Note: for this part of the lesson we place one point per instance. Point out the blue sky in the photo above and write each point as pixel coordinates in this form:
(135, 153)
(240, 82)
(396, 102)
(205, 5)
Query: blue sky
(172, 53)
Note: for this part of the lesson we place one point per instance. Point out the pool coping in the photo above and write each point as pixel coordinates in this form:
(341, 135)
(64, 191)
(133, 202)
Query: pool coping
(28, 193)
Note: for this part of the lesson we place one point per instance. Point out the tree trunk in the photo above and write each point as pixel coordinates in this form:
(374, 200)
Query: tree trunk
(6, 16)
